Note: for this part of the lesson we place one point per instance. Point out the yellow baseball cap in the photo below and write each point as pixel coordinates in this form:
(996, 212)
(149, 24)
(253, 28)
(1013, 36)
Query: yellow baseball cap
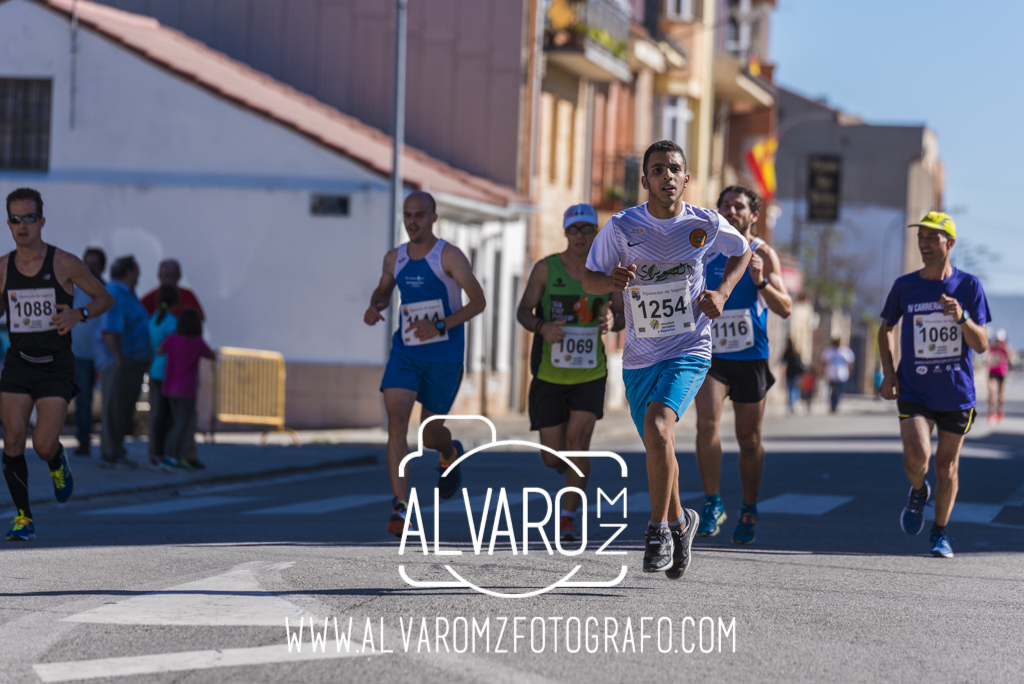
(938, 221)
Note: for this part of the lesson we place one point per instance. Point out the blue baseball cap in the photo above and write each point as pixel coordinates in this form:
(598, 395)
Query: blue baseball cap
(580, 213)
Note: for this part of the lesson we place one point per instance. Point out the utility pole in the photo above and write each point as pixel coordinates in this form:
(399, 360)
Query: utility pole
(397, 196)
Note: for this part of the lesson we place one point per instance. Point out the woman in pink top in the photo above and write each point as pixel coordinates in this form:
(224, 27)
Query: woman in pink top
(183, 349)
(998, 368)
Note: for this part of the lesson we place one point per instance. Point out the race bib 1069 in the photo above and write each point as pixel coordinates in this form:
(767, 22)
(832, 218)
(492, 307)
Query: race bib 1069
(32, 310)
(732, 331)
(661, 310)
(936, 336)
(578, 349)
(432, 310)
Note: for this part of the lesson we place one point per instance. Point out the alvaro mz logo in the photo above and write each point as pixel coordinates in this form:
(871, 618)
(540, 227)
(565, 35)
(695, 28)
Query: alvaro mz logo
(502, 525)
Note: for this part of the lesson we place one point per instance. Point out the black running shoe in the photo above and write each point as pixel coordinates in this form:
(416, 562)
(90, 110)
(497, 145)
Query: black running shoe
(448, 484)
(682, 542)
(657, 549)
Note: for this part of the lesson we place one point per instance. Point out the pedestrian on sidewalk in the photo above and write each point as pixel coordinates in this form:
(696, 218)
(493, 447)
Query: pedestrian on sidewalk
(123, 354)
(998, 358)
(161, 324)
(837, 360)
(795, 370)
(183, 350)
(81, 345)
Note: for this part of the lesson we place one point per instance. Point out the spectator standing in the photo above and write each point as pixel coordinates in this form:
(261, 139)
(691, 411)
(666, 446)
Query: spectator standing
(794, 371)
(81, 344)
(183, 349)
(169, 273)
(161, 324)
(998, 358)
(123, 352)
(837, 360)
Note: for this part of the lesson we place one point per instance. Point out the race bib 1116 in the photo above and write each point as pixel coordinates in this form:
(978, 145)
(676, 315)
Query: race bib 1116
(733, 331)
(432, 310)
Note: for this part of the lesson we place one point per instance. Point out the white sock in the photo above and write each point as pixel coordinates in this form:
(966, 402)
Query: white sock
(571, 514)
(679, 523)
(662, 525)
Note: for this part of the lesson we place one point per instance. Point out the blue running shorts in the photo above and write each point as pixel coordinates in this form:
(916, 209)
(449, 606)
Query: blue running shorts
(673, 382)
(437, 383)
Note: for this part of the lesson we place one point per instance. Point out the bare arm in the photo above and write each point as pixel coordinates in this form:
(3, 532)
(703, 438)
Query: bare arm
(765, 265)
(69, 269)
(381, 297)
(618, 311)
(712, 303)
(456, 265)
(598, 283)
(551, 331)
(890, 382)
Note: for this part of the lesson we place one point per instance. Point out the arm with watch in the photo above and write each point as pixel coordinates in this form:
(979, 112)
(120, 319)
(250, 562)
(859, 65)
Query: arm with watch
(766, 272)
(79, 274)
(455, 265)
(975, 335)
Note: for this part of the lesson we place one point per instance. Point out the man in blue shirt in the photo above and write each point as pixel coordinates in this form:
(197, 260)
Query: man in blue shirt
(81, 345)
(944, 313)
(122, 352)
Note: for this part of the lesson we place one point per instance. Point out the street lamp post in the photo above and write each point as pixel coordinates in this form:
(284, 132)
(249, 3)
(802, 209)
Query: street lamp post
(398, 139)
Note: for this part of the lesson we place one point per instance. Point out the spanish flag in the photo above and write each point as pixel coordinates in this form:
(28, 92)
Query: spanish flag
(761, 160)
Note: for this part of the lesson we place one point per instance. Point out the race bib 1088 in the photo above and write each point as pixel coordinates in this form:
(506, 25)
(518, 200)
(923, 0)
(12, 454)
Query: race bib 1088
(32, 310)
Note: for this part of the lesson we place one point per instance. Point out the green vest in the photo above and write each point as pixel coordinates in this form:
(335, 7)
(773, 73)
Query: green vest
(565, 300)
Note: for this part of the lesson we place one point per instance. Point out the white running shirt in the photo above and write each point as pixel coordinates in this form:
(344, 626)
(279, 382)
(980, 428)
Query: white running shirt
(665, 251)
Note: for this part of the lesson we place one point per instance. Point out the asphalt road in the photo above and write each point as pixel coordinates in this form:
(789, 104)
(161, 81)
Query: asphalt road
(194, 584)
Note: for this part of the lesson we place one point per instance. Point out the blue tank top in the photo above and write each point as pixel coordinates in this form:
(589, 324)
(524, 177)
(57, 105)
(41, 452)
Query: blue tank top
(745, 297)
(424, 281)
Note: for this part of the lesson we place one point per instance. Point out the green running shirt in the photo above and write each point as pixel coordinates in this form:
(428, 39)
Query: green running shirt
(565, 300)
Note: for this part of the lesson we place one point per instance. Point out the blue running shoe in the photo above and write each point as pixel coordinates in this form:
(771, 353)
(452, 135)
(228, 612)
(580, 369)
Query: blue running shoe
(912, 517)
(710, 519)
(447, 486)
(940, 545)
(63, 480)
(744, 532)
(397, 522)
(22, 529)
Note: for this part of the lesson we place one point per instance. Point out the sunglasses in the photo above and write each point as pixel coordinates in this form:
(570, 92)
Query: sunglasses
(27, 218)
(577, 229)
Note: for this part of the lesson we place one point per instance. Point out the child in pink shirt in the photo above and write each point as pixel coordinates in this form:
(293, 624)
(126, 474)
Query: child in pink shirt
(183, 349)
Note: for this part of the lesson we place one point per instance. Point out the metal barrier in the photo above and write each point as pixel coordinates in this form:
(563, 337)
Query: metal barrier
(248, 388)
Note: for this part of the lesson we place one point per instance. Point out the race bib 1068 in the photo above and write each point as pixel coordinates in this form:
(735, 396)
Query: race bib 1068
(578, 349)
(432, 310)
(732, 331)
(32, 310)
(661, 310)
(936, 336)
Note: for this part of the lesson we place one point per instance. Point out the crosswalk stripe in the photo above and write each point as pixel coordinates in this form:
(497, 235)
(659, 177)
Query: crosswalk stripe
(803, 504)
(337, 503)
(170, 506)
(963, 511)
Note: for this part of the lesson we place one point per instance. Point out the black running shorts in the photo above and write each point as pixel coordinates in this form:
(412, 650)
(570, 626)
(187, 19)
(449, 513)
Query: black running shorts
(955, 422)
(39, 380)
(551, 403)
(747, 382)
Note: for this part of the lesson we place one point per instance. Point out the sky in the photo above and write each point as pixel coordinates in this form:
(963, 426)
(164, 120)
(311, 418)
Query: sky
(958, 68)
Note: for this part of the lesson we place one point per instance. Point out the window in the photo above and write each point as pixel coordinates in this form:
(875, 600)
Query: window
(328, 205)
(676, 121)
(25, 124)
(681, 10)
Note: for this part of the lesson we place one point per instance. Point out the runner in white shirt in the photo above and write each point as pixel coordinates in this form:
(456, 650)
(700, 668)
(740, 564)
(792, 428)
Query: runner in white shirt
(655, 253)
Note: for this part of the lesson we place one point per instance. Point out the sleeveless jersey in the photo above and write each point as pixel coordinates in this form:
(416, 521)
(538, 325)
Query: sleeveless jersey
(745, 297)
(30, 303)
(423, 282)
(580, 358)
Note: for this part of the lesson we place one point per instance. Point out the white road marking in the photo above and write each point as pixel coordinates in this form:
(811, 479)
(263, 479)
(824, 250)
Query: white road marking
(337, 503)
(982, 513)
(234, 598)
(862, 446)
(803, 504)
(170, 506)
(1016, 499)
(184, 661)
(638, 501)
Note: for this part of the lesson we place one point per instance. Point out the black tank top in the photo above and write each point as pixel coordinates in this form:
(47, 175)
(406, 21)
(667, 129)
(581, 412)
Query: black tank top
(30, 305)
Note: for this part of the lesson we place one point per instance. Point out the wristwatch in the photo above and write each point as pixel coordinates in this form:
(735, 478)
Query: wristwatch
(966, 317)
(440, 327)
(763, 284)
(85, 314)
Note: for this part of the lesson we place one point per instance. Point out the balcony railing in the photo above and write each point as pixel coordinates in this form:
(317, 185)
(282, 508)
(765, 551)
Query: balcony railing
(615, 181)
(573, 23)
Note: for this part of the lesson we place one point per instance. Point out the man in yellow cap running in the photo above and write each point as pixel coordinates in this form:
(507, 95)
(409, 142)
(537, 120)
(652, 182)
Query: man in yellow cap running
(944, 313)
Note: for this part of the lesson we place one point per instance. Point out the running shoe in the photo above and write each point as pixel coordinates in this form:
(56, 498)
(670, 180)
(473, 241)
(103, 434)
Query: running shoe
(711, 518)
(22, 529)
(682, 543)
(63, 480)
(447, 486)
(999, 417)
(744, 532)
(912, 518)
(196, 465)
(175, 465)
(566, 527)
(396, 525)
(657, 548)
(118, 464)
(940, 545)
